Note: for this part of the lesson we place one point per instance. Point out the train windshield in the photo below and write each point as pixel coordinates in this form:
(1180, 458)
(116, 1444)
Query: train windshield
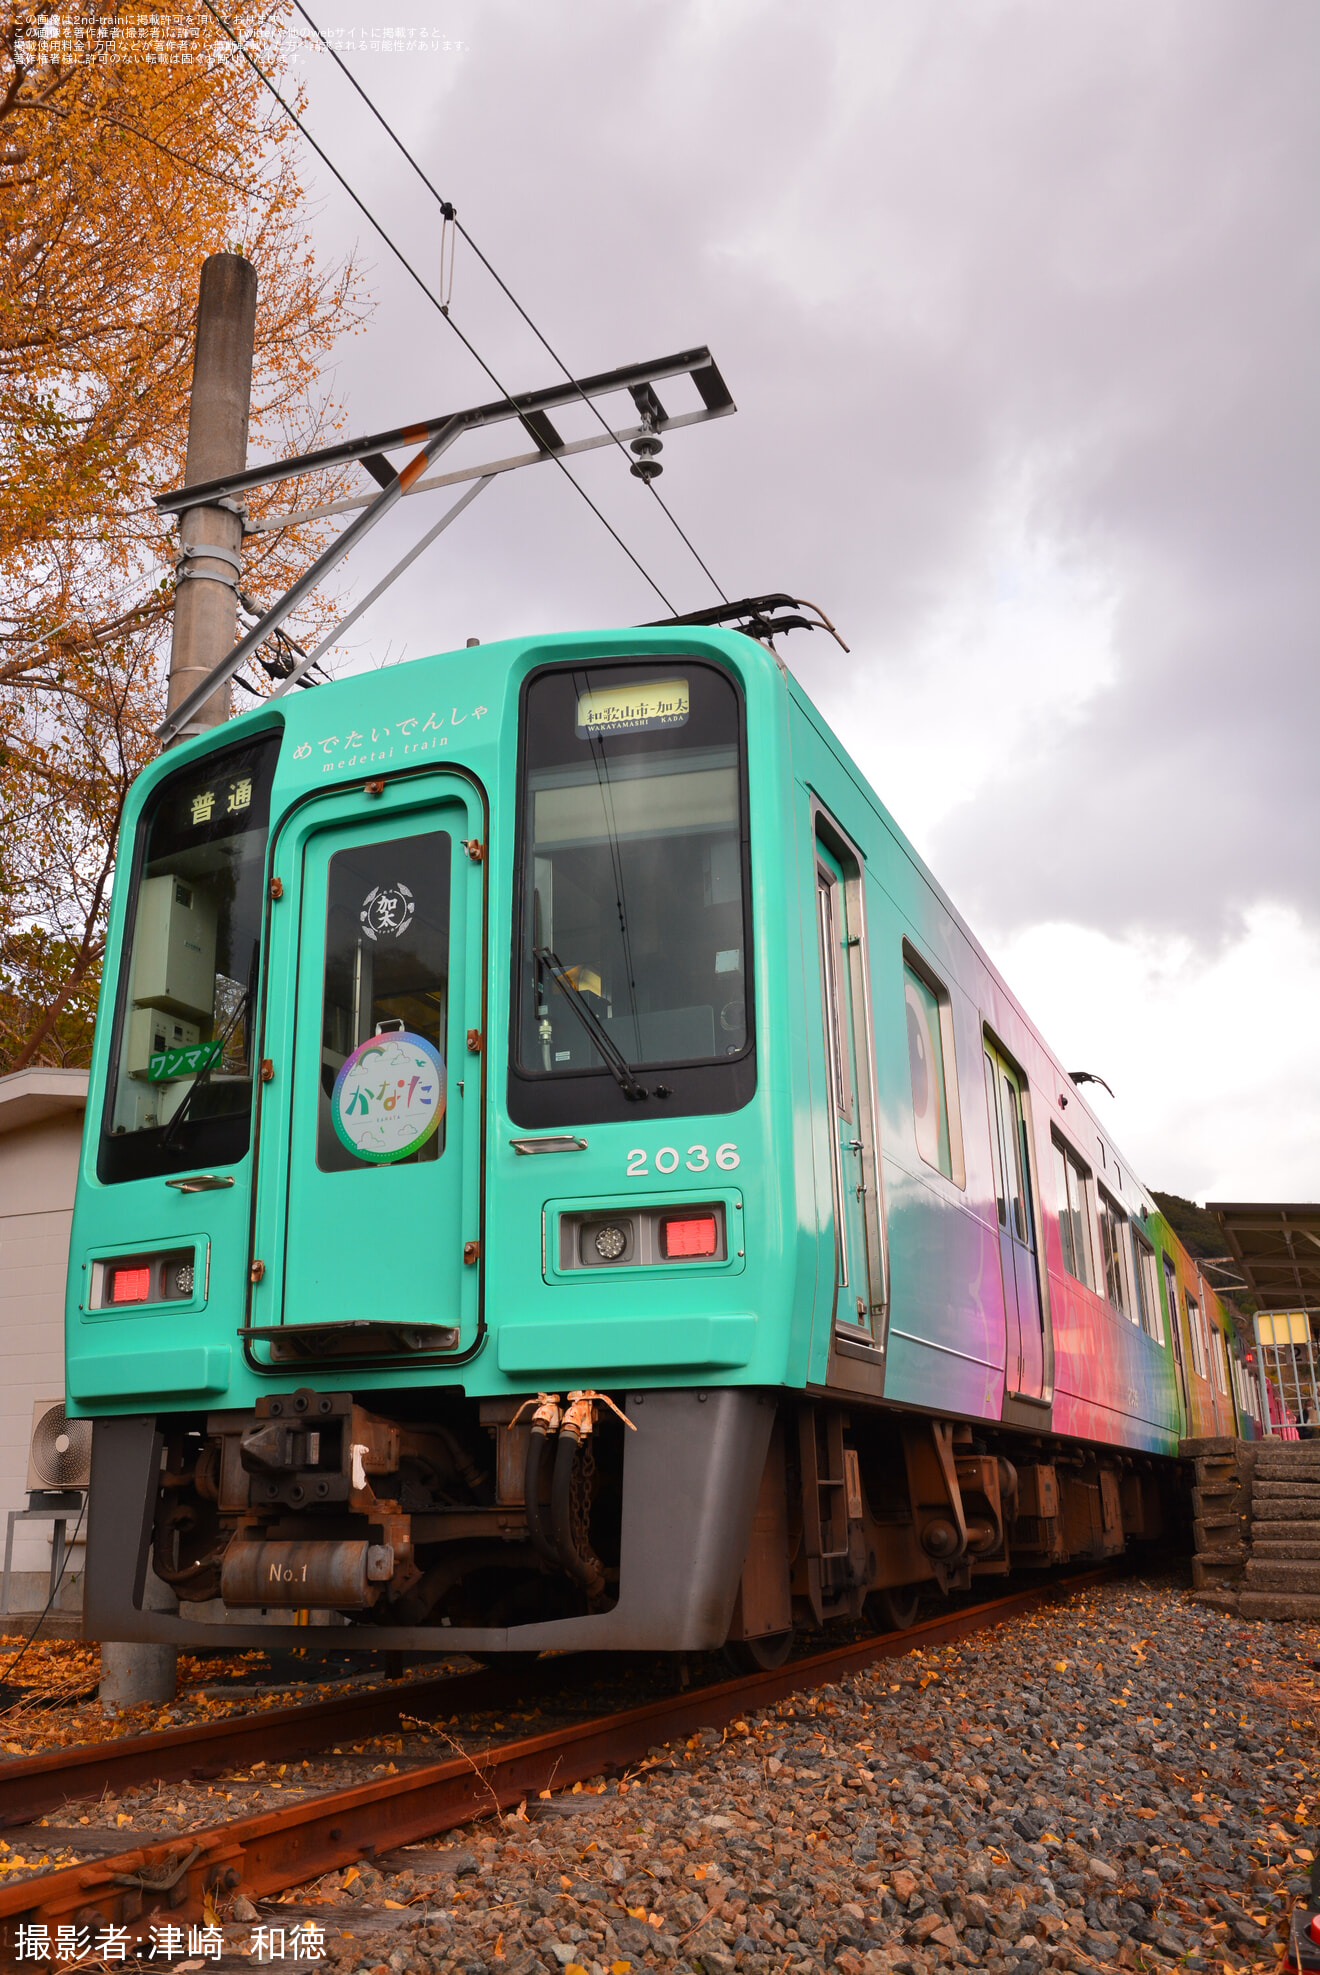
(181, 1082)
(634, 936)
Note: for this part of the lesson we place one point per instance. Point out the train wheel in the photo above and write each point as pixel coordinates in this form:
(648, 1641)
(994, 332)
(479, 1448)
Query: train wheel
(759, 1655)
(897, 1606)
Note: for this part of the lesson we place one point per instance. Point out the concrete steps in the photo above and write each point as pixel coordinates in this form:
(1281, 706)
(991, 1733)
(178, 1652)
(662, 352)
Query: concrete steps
(1273, 1604)
(1279, 1574)
(1256, 1510)
(1287, 1457)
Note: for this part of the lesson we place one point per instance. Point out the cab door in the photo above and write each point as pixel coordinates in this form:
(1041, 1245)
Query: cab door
(1010, 1151)
(370, 1155)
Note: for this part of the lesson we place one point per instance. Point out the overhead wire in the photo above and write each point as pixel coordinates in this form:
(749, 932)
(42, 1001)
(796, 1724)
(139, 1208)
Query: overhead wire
(431, 297)
(451, 218)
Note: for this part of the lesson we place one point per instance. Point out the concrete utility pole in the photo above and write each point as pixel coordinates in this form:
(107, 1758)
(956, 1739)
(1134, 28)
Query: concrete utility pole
(211, 538)
(205, 613)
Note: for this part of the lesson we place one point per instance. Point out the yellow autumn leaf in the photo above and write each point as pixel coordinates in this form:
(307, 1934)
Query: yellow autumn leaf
(620, 1967)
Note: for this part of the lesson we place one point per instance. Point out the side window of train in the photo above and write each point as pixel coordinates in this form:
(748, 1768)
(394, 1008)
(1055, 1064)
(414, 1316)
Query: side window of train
(1113, 1242)
(1072, 1183)
(1145, 1291)
(934, 1070)
(1196, 1330)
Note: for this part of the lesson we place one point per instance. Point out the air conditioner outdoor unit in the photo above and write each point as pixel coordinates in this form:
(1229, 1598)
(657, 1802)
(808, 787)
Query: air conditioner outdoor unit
(60, 1449)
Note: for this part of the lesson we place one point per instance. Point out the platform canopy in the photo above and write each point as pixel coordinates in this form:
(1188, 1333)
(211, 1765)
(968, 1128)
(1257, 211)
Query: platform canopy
(1277, 1249)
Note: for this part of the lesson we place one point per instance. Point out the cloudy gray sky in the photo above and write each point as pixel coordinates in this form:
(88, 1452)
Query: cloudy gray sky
(1018, 300)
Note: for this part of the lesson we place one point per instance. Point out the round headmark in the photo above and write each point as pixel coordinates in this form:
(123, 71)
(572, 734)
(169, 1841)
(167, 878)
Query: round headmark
(389, 1097)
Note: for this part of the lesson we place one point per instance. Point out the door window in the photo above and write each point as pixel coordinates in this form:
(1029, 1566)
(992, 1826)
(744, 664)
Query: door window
(385, 1004)
(1010, 1154)
(1220, 1360)
(996, 1140)
(859, 1294)
(1019, 1198)
(1197, 1329)
(830, 940)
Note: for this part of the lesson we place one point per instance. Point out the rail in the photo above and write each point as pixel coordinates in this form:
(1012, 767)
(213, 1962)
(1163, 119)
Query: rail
(32, 1785)
(275, 1850)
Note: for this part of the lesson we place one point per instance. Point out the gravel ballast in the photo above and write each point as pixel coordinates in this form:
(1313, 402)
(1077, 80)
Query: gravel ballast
(1126, 1780)
(1122, 1780)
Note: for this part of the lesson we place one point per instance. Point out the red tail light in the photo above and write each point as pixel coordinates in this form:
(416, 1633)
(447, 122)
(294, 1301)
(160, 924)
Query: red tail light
(697, 1237)
(131, 1286)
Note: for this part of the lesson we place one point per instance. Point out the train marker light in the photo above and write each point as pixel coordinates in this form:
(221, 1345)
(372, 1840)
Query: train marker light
(695, 1237)
(131, 1286)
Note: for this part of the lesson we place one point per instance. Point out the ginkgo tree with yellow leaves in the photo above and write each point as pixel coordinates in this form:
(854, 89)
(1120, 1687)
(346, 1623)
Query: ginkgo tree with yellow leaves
(127, 156)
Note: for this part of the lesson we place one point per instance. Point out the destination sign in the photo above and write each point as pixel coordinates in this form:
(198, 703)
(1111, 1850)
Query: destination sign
(632, 709)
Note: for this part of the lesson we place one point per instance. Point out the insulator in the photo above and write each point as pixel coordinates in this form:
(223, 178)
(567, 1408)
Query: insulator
(646, 466)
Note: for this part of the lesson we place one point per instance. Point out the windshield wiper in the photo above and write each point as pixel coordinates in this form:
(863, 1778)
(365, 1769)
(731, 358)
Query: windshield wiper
(204, 1074)
(615, 1061)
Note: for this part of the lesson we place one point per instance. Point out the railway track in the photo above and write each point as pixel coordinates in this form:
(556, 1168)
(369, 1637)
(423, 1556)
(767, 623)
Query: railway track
(32, 1785)
(177, 1877)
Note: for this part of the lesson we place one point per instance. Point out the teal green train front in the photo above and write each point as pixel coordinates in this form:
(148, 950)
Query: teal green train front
(559, 1170)
(356, 1127)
